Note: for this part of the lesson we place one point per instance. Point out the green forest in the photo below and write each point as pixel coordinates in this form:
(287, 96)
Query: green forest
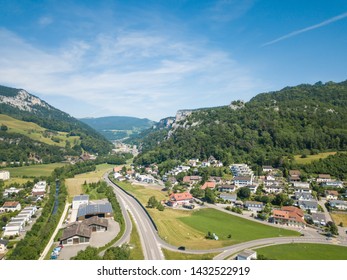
(263, 131)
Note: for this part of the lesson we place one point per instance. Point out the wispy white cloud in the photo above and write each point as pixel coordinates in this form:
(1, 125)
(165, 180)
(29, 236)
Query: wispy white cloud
(127, 73)
(227, 10)
(45, 20)
(312, 27)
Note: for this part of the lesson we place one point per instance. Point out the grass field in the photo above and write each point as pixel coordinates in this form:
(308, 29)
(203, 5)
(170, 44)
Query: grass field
(311, 158)
(304, 251)
(143, 193)
(16, 180)
(170, 255)
(74, 185)
(339, 218)
(33, 170)
(36, 132)
(136, 251)
(191, 227)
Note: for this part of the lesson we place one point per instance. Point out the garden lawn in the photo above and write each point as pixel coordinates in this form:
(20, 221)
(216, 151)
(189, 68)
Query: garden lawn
(304, 251)
(339, 218)
(34, 170)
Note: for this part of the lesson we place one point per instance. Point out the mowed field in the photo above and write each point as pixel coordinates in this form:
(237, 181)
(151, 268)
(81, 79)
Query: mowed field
(36, 132)
(189, 228)
(339, 218)
(33, 170)
(74, 185)
(171, 255)
(311, 158)
(304, 251)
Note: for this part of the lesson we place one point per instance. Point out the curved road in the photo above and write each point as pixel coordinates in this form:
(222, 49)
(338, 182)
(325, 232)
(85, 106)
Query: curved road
(152, 243)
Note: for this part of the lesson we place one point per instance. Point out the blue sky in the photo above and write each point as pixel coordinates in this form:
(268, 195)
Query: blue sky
(152, 58)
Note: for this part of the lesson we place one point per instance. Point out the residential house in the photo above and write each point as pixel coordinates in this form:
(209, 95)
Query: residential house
(193, 162)
(79, 200)
(11, 206)
(267, 168)
(273, 188)
(252, 188)
(217, 180)
(227, 188)
(242, 181)
(208, 184)
(3, 246)
(145, 178)
(172, 180)
(205, 163)
(290, 216)
(180, 199)
(339, 204)
(254, 206)
(299, 184)
(246, 255)
(319, 219)
(100, 209)
(323, 178)
(308, 205)
(331, 195)
(303, 196)
(332, 184)
(4, 175)
(10, 191)
(302, 190)
(232, 197)
(13, 229)
(294, 175)
(117, 169)
(191, 179)
(242, 170)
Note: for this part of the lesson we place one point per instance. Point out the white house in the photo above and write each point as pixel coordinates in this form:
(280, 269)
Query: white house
(323, 178)
(334, 184)
(254, 206)
(246, 255)
(267, 168)
(228, 196)
(301, 184)
(11, 206)
(331, 195)
(11, 191)
(4, 175)
(79, 200)
(273, 188)
(242, 181)
(13, 229)
(339, 204)
(242, 170)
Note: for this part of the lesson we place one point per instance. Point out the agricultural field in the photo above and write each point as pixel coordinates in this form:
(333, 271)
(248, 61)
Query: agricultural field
(311, 158)
(171, 255)
(339, 218)
(304, 251)
(32, 171)
(38, 133)
(74, 185)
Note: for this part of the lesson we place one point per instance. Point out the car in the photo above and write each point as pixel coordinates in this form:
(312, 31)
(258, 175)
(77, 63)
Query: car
(303, 234)
(182, 248)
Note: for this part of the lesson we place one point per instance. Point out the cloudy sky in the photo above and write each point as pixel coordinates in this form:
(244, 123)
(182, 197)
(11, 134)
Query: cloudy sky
(152, 58)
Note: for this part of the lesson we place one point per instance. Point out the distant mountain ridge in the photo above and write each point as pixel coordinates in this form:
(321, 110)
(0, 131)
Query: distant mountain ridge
(21, 105)
(118, 127)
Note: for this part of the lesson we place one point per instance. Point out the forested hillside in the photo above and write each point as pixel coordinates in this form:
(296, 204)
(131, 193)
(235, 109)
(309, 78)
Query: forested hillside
(294, 120)
(21, 105)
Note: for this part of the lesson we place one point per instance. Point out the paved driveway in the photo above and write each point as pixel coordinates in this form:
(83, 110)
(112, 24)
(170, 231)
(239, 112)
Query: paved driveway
(98, 239)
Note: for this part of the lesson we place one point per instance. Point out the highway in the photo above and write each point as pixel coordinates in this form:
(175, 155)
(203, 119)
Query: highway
(148, 235)
(152, 243)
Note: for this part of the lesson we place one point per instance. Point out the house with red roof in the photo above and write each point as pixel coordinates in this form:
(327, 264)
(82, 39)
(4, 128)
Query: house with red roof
(289, 216)
(208, 184)
(180, 198)
(11, 206)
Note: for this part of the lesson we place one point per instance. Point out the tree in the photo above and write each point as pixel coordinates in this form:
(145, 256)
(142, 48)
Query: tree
(117, 253)
(244, 193)
(332, 228)
(160, 207)
(210, 197)
(152, 202)
(3, 127)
